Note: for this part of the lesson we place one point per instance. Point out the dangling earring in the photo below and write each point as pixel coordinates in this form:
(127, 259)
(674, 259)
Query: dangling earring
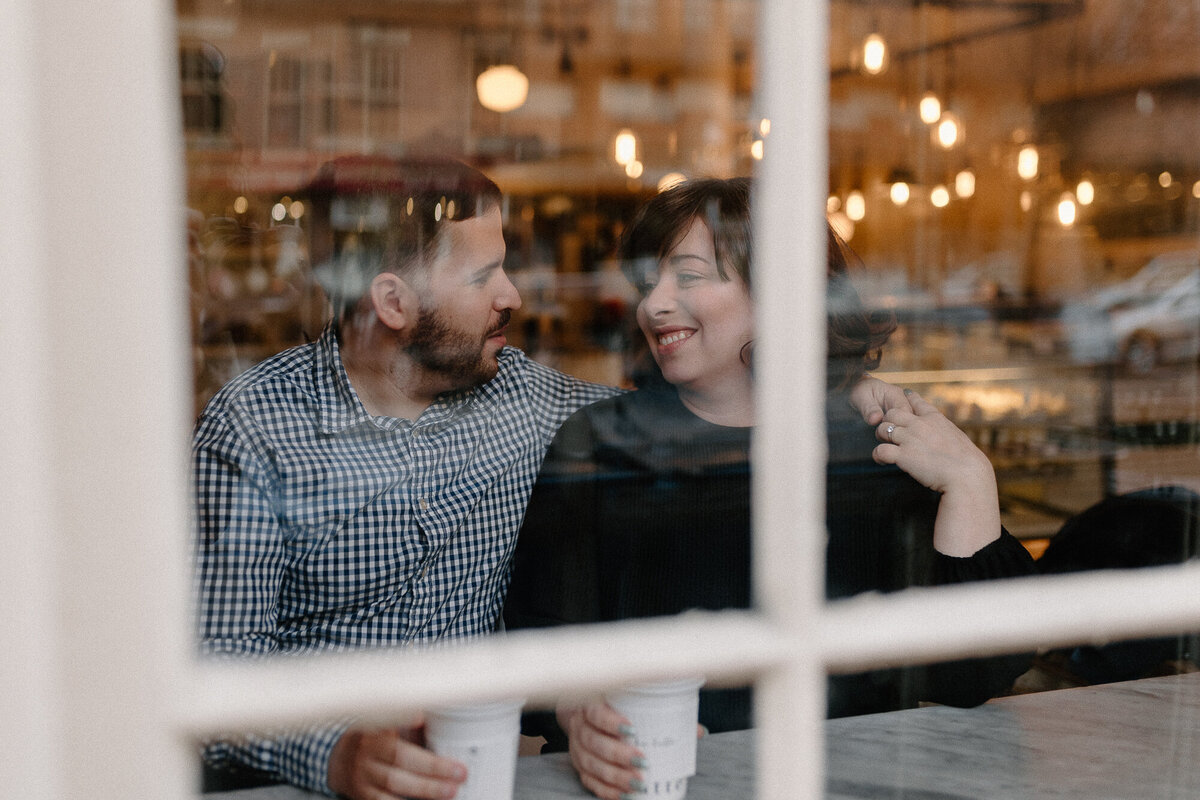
(746, 354)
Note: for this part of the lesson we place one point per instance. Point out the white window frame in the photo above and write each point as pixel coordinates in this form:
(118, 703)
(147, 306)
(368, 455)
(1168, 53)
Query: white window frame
(101, 693)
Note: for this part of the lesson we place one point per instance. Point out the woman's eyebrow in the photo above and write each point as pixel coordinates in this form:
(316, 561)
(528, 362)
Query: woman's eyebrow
(678, 257)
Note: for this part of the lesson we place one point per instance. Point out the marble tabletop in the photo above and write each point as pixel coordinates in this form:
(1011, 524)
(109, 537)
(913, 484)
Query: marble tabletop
(1122, 741)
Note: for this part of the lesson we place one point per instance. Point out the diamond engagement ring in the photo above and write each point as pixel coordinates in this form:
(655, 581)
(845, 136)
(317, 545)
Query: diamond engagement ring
(888, 431)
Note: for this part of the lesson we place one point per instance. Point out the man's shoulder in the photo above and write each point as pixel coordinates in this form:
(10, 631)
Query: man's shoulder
(274, 383)
(519, 372)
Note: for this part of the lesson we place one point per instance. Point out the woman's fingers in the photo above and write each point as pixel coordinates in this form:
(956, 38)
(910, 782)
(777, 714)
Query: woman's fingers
(606, 763)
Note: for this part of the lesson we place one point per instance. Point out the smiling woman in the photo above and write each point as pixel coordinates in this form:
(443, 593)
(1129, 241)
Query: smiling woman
(642, 506)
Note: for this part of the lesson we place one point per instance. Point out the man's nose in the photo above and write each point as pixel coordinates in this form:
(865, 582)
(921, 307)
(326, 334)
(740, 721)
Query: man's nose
(508, 296)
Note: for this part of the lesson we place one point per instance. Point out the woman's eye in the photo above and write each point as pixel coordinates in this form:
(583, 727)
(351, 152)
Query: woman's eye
(687, 278)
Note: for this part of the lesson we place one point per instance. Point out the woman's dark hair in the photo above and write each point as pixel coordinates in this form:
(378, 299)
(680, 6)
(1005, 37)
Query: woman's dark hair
(855, 335)
(724, 205)
(386, 215)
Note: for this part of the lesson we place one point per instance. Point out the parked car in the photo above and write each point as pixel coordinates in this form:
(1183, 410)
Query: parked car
(1150, 319)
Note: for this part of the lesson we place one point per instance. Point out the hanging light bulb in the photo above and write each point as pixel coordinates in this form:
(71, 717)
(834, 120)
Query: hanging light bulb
(949, 130)
(900, 192)
(1027, 162)
(625, 148)
(874, 54)
(1066, 210)
(964, 184)
(1085, 192)
(940, 196)
(856, 206)
(930, 108)
(502, 88)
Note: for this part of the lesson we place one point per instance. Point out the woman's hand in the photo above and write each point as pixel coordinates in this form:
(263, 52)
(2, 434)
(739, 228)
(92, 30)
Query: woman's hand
(932, 449)
(608, 766)
(873, 398)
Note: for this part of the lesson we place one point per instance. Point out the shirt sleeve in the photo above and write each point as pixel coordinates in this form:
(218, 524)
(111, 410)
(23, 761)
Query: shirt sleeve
(239, 546)
(239, 552)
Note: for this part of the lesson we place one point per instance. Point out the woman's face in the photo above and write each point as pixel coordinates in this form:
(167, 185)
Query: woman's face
(695, 321)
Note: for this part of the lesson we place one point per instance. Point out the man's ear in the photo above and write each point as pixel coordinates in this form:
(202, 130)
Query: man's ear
(394, 301)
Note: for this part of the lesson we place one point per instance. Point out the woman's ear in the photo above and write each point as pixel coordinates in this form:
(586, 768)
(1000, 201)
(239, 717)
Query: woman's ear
(394, 301)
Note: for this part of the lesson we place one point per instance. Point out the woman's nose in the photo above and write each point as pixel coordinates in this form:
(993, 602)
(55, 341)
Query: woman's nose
(660, 299)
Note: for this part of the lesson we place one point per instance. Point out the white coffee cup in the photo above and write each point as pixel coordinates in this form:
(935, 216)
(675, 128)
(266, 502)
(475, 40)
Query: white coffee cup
(663, 717)
(485, 737)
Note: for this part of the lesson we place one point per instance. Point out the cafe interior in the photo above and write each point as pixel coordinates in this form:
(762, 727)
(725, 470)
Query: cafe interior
(1019, 184)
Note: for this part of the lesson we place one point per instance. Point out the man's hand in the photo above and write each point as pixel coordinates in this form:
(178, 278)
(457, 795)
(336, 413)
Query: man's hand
(873, 398)
(392, 764)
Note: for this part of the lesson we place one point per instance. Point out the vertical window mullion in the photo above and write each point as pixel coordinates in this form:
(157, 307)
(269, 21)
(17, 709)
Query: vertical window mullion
(789, 448)
(112, 336)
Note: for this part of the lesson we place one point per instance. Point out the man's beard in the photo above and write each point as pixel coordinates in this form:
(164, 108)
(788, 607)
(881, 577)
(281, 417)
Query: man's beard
(452, 353)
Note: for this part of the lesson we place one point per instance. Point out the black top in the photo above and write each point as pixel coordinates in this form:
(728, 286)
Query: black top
(643, 509)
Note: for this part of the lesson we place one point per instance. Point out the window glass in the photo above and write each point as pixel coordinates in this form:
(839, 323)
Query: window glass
(1016, 243)
(1017, 183)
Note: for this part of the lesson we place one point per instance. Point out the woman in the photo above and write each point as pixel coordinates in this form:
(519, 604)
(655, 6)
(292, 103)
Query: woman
(642, 507)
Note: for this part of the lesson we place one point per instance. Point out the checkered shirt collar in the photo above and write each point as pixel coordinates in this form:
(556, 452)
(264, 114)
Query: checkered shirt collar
(339, 407)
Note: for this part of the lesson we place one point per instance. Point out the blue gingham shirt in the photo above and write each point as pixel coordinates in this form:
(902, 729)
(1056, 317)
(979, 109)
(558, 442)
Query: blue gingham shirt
(321, 527)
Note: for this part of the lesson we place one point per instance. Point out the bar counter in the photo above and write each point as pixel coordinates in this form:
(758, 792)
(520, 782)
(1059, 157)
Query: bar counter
(1138, 739)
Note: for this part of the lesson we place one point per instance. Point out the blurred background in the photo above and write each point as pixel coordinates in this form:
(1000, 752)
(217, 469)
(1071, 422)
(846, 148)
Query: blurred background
(1019, 178)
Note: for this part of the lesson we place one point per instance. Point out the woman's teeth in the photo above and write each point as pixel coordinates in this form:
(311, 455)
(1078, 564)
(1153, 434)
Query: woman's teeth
(672, 338)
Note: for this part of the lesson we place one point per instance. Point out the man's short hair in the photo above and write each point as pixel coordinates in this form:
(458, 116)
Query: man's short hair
(377, 214)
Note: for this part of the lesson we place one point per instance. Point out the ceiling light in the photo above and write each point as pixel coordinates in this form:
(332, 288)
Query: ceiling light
(874, 54)
(625, 147)
(930, 108)
(502, 88)
(1027, 162)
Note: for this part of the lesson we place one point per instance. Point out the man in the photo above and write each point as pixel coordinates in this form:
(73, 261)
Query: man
(365, 490)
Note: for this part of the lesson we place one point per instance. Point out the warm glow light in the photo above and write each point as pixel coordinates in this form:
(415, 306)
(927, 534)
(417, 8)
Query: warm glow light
(964, 183)
(278, 212)
(240, 205)
(670, 179)
(756, 149)
(948, 131)
(842, 225)
(1066, 210)
(1026, 200)
(1085, 192)
(930, 108)
(940, 196)
(1165, 179)
(1027, 162)
(900, 193)
(296, 209)
(764, 127)
(856, 206)
(502, 88)
(1196, 190)
(833, 203)
(625, 149)
(874, 54)
(634, 169)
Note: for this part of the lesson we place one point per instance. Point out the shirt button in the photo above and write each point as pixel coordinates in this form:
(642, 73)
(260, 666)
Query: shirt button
(424, 504)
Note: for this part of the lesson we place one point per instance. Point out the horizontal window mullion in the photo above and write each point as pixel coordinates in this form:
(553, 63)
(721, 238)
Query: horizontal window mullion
(540, 665)
(1009, 616)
